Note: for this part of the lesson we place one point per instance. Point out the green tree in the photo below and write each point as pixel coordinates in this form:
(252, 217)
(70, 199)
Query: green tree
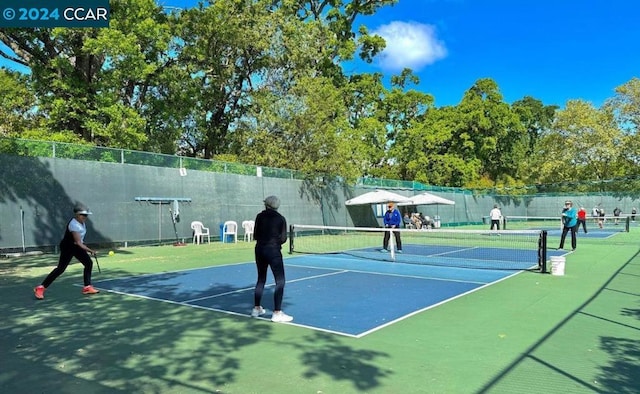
(535, 117)
(398, 110)
(479, 142)
(306, 130)
(626, 107)
(490, 131)
(379, 115)
(362, 96)
(236, 48)
(94, 83)
(338, 16)
(232, 49)
(580, 151)
(16, 104)
(626, 104)
(425, 152)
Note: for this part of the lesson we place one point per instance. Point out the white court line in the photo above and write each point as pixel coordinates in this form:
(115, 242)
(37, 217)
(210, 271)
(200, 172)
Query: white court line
(228, 312)
(434, 305)
(393, 274)
(188, 303)
(270, 285)
(142, 275)
(452, 251)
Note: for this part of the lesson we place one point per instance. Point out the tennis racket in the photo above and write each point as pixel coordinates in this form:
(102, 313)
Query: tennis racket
(95, 256)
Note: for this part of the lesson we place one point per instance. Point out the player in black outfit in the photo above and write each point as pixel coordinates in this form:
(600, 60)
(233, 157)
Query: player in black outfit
(72, 245)
(270, 233)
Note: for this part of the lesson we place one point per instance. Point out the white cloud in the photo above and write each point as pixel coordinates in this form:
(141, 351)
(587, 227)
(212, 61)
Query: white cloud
(409, 44)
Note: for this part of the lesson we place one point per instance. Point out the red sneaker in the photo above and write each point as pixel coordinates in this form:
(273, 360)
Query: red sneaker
(39, 292)
(90, 290)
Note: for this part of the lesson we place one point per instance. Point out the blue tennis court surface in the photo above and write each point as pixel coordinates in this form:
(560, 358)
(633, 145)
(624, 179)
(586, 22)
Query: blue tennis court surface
(591, 233)
(338, 294)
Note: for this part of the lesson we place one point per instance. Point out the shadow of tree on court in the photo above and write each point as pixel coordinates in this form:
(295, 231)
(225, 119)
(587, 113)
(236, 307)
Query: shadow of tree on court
(631, 312)
(14, 266)
(621, 374)
(341, 362)
(129, 344)
(111, 343)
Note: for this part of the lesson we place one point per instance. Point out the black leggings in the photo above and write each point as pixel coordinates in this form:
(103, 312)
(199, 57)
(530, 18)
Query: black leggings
(269, 256)
(583, 223)
(387, 235)
(565, 230)
(66, 254)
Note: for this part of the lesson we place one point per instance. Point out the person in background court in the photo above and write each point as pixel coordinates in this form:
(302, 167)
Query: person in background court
(595, 214)
(427, 222)
(634, 210)
(406, 220)
(415, 219)
(495, 215)
(582, 219)
(616, 214)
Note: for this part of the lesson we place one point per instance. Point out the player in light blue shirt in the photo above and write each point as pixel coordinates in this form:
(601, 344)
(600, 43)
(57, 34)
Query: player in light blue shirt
(569, 223)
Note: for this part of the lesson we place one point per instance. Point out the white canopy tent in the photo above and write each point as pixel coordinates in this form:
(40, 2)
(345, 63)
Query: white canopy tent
(427, 199)
(378, 197)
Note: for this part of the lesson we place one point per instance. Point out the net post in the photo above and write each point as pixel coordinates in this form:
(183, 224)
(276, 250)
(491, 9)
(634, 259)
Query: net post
(291, 239)
(627, 223)
(392, 245)
(542, 252)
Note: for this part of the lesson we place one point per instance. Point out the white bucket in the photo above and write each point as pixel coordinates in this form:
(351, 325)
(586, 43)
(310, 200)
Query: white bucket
(557, 265)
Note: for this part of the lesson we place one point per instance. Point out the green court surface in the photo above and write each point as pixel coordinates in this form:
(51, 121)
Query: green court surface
(531, 333)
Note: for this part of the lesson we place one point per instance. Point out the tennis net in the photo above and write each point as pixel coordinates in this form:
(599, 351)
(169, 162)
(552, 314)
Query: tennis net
(481, 249)
(549, 223)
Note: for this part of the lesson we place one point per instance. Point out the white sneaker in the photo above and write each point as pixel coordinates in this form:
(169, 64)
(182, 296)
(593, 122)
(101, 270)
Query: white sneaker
(257, 311)
(281, 317)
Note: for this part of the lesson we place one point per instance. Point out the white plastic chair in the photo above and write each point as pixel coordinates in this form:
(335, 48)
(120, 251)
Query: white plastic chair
(200, 231)
(248, 226)
(230, 228)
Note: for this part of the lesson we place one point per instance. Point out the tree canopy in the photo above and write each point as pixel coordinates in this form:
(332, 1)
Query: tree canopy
(262, 82)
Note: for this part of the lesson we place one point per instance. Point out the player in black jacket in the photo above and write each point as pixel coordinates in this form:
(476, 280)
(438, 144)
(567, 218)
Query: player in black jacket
(270, 233)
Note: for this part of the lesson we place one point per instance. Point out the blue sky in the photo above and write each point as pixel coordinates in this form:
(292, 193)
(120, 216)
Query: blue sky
(552, 50)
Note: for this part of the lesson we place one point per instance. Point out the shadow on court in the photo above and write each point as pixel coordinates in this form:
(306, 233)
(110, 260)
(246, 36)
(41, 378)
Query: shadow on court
(580, 342)
(113, 343)
(110, 343)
